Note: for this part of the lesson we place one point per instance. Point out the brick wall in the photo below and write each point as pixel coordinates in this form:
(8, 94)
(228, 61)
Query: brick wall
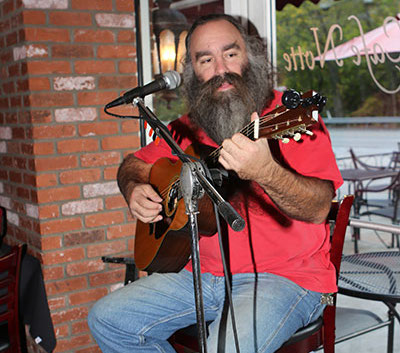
(61, 61)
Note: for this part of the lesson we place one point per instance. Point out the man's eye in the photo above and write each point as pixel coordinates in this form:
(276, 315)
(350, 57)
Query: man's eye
(205, 61)
(231, 55)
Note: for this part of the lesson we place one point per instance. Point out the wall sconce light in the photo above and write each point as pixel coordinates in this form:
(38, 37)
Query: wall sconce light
(170, 30)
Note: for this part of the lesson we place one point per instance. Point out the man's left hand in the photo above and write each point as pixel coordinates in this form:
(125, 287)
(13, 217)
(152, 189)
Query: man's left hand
(251, 160)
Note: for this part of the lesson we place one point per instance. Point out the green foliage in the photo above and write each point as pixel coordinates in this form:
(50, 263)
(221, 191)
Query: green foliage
(169, 105)
(347, 87)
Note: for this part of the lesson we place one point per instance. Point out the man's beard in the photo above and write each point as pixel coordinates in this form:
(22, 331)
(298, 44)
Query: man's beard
(223, 113)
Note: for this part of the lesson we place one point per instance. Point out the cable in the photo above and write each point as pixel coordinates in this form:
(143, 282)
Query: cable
(228, 285)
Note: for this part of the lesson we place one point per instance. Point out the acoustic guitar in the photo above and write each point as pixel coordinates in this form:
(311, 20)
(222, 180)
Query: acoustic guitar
(164, 246)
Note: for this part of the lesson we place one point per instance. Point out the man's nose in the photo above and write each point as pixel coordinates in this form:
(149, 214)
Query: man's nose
(220, 67)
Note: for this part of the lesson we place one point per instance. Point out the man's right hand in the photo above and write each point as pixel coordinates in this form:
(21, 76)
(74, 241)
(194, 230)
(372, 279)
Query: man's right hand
(145, 203)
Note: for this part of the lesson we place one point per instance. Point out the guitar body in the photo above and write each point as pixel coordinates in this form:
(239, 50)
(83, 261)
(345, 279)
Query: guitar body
(164, 246)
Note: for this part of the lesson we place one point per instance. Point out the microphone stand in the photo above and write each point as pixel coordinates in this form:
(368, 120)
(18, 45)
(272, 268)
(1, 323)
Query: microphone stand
(193, 186)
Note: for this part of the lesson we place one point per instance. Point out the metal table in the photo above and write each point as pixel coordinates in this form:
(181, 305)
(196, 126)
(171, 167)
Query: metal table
(374, 276)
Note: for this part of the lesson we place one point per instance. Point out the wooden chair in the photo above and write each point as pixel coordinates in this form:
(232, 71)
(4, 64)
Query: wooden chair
(322, 331)
(10, 326)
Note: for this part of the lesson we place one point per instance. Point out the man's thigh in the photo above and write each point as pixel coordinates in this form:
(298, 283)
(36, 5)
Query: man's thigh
(151, 307)
(268, 310)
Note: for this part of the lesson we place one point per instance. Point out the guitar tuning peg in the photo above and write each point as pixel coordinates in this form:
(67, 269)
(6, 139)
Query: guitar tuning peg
(297, 136)
(305, 131)
(285, 140)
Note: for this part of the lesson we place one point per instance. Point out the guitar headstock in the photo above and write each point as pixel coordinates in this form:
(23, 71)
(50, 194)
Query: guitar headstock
(289, 120)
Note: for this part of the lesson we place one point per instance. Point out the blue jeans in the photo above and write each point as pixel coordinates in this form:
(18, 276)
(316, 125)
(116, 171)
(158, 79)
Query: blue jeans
(141, 316)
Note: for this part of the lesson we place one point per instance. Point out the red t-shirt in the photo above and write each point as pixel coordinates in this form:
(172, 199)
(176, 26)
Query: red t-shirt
(271, 241)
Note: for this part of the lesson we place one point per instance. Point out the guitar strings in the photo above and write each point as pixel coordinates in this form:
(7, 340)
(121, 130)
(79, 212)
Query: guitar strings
(247, 130)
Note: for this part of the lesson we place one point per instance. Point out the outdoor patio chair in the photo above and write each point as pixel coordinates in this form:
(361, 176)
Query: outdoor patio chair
(394, 162)
(391, 210)
(385, 189)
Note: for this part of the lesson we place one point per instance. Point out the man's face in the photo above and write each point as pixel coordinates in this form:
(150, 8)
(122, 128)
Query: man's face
(217, 48)
(224, 82)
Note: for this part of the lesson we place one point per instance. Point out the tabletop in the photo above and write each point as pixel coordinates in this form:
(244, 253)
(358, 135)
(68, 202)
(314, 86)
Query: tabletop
(372, 275)
(366, 174)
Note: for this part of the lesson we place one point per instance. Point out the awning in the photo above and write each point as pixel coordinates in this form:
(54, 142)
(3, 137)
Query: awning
(280, 4)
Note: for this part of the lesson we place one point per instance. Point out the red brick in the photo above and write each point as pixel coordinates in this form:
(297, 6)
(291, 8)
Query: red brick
(64, 18)
(53, 273)
(54, 131)
(29, 179)
(110, 173)
(72, 343)
(33, 17)
(124, 6)
(121, 231)
(120, 142)
(69, 314)
(126, 36)
(46, 180)
(88, 296)
(94, 36)
(65, 286)
(81, 145)
(113, 202)
(99, 5)
(104, 218)
(46, 35)
(80, 176)
(109, 277)
(56, 303)
(15, 177)
(107, 248)
(72, 51)
(60, 226)
(56, 163)
(63, 256)
(98, 67)
(116, 51)
(62, 331)
(18, 133)
(41, 67)
(51, 243)
(117, 82)
(51, 99)
(39, 84)
(100, 159)
(127, 67)
(95, 98)
(79, 327)
(59, 194)
(85, 237)
(41, 116)
(48, 211)
(98, 128)
(130, 126)
(92, 349)
(85, 267)
(43, 148)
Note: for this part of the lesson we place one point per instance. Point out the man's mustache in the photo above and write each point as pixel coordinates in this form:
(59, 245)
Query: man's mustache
(217, 81)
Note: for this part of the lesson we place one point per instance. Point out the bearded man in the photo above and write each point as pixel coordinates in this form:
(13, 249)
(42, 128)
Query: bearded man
(279, 262)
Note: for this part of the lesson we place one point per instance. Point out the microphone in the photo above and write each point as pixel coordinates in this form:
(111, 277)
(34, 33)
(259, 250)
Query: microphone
(170, 80)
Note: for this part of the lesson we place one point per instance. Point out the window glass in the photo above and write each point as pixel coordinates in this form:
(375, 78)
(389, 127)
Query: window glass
(322, 47)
